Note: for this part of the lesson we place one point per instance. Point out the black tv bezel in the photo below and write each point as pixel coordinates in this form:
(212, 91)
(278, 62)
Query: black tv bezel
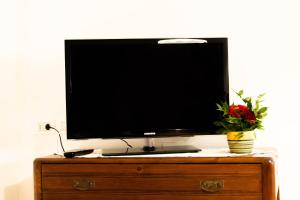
(162, 133)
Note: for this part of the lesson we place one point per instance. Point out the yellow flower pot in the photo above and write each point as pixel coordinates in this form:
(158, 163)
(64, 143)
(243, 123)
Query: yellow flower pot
(241, 141)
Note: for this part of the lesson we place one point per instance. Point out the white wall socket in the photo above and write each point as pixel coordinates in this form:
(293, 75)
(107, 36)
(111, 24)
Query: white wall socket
(42, 126)
(60, 126)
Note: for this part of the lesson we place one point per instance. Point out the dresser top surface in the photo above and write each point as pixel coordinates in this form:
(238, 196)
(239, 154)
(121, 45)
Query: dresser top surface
(219, 155)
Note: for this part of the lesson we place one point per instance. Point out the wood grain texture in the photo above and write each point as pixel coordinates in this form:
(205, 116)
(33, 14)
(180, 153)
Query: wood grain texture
(269, 180)
(113, 196)
(176, 178)
(153, 168)
(37, 178)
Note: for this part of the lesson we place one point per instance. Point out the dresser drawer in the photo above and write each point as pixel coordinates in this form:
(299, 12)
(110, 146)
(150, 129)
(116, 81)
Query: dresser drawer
(176, 180)
(145, 196)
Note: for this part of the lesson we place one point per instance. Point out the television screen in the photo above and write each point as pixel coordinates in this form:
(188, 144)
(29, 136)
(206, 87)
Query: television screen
(129, 88)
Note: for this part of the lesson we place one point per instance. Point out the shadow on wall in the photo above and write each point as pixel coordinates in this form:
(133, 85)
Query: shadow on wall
(20, 191)
(11, 192)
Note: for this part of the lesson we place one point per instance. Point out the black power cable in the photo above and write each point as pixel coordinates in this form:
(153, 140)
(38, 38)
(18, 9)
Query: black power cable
(130, 146)
(48, 127)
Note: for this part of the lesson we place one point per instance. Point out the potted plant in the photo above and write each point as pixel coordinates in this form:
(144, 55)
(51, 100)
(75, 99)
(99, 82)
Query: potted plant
(240, 120)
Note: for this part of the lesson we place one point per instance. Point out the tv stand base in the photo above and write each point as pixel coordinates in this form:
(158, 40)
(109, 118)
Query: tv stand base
(150, 150)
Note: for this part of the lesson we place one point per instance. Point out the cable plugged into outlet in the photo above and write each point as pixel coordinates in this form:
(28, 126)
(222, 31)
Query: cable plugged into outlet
(44, 127)
(48, 127)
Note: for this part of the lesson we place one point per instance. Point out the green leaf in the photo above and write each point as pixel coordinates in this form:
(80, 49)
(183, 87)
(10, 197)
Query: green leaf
(257, 102)
(262, 110)
(247, 99)
(219, 107)
(240, 93)
(261, 96)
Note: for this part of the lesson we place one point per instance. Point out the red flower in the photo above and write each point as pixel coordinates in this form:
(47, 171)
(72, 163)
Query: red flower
(250, 117)
(237, 110)
(242, 111)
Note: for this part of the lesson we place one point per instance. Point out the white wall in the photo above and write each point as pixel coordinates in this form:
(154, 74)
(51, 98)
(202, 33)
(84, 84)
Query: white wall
(8, 113)
(263, 57)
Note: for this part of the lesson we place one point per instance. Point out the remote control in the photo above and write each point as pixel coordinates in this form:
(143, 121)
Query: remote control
(74, 153)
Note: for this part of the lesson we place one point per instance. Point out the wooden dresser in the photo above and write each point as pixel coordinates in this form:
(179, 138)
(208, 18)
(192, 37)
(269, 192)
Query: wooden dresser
(155, 178)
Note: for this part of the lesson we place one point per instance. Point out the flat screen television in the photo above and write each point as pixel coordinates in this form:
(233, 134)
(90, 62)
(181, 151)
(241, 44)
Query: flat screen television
(133, 88)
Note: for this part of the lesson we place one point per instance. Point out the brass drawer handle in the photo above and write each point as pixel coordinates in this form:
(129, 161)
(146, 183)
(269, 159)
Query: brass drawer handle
(212, 185)
(83, 184)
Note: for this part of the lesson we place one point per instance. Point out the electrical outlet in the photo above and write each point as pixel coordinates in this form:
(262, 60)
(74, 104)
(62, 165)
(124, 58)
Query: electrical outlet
(60, 126)
(42, 126)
